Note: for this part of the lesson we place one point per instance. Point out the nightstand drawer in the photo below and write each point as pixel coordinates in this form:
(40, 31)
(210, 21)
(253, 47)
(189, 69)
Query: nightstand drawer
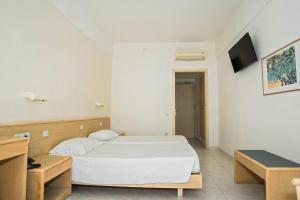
(57, 170)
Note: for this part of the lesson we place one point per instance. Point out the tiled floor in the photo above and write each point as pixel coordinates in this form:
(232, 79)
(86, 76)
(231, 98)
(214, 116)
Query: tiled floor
(217, 171)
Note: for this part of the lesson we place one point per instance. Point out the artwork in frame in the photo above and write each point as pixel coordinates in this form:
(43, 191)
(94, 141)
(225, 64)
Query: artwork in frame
(281, 69)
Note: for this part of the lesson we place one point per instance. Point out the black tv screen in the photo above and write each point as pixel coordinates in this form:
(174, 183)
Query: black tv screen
(242, 54)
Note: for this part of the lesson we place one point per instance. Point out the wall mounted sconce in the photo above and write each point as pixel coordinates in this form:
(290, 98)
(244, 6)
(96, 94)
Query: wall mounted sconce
(33, 98)
(99, 105)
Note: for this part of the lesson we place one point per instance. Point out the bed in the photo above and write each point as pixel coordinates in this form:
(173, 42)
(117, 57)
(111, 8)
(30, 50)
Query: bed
(140, 161)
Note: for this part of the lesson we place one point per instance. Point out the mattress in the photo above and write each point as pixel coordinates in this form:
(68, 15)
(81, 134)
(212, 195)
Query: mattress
(149, 139)
(123, 163)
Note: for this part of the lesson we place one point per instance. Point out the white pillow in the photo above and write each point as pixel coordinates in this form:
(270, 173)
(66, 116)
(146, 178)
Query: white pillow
(103, 135)
(75, 146)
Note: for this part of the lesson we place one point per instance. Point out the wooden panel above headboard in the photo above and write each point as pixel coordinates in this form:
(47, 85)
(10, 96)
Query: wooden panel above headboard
(58, 131)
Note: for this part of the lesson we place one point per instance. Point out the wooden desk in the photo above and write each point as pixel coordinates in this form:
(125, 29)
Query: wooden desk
(52, 181)
(13, 168)
(258, 166)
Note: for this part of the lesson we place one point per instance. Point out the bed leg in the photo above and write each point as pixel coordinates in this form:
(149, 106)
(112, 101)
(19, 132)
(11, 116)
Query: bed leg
(180, 192)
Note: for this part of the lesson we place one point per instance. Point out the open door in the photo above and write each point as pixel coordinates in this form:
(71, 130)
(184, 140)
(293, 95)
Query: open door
(184, 98)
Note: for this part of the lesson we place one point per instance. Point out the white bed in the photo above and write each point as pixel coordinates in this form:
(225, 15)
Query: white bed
(134, 161)
(123, 163)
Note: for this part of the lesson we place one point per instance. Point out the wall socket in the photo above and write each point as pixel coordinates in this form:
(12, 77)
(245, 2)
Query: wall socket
(45, 133)
(81, 127)
(23, 135)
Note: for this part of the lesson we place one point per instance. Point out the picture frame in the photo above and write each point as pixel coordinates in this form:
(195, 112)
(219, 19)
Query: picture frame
(281, 69)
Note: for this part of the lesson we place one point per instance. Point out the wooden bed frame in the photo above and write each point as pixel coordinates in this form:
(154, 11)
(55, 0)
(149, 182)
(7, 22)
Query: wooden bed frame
(66, 129)
(195, 182)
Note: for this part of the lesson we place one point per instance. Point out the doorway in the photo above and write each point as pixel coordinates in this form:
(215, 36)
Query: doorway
(185, 105)
(190, 105)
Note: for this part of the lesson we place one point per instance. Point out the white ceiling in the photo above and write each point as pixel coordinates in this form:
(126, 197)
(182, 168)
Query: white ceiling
(127, 21)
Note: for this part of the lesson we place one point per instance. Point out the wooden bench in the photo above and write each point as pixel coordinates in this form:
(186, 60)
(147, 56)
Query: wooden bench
(259, 166)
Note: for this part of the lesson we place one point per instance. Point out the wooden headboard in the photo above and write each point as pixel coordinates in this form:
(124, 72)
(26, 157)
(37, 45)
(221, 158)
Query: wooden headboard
(58, 131)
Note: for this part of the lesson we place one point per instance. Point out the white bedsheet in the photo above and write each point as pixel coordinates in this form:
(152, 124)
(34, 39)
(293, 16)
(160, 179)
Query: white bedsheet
(149, 139)
(124, 163)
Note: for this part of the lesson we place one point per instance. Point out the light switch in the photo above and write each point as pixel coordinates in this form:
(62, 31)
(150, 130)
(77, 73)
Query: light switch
(45, 133)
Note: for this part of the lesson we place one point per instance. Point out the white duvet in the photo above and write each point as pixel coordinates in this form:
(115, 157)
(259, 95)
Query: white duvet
(136, 163)
(149, 139)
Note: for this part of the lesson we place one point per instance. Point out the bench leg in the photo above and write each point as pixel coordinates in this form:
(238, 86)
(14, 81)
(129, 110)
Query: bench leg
(180, 192)
(278, 184)
(244, 175)
(298, 191)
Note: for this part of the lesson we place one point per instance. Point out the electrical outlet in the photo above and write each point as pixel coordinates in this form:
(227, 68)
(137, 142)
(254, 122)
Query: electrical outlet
(23, 135)
(81, 127)
(45, 133)
(100, 124)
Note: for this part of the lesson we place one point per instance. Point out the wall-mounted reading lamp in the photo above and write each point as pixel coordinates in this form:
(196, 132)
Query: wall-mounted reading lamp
(99, 105)
(33, 98)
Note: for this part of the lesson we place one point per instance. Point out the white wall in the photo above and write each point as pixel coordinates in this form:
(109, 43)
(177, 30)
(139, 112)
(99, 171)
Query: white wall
(41, 51)
(77, 11)
(247, 118)
(141, 87)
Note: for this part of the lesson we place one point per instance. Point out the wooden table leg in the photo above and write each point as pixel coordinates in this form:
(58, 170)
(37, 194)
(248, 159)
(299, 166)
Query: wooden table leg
(13, 173)
(179, 192)
(35, 187)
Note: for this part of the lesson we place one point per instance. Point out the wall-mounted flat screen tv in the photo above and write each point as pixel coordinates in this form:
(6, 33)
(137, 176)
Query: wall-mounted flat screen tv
(242, 54)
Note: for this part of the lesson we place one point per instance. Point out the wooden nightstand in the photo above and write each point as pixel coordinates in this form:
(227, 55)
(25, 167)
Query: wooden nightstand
(51, 181)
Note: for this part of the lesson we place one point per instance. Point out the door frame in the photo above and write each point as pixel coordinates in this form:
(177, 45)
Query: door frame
(173, 108)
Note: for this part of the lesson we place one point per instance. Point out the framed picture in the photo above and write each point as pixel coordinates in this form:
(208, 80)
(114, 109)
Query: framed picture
(281, 69)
